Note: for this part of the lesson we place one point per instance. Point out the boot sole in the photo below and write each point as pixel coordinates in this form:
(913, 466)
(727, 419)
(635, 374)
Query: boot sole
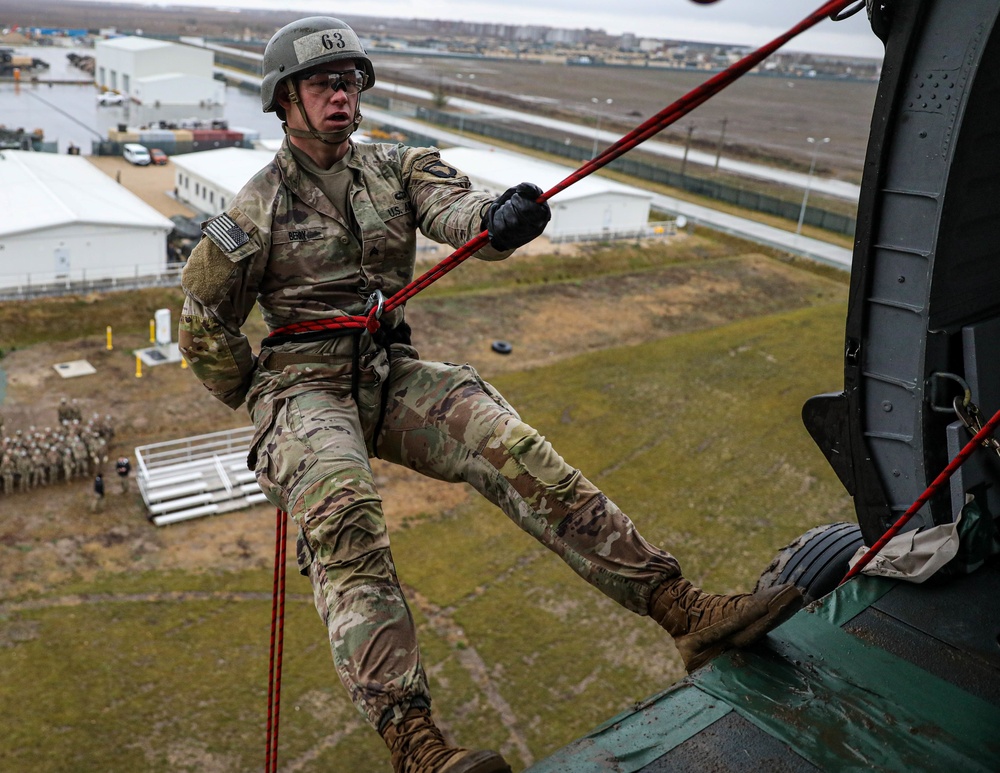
(779, 609)
(479, 762)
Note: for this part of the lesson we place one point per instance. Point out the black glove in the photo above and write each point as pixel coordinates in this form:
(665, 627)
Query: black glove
(516, 217)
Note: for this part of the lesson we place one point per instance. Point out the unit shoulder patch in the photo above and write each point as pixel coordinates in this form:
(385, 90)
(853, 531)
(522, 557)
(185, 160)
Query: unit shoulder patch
(439, 168)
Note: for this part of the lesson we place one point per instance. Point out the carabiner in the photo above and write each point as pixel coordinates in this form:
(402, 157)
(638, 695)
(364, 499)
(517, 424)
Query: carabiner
(847, 13)
(969, 414)
(375, 301)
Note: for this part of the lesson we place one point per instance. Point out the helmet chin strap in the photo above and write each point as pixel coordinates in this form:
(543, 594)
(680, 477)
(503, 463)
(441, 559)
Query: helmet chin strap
(330, 138)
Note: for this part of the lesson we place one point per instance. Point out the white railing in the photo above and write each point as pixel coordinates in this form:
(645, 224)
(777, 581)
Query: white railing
(197, 476)
(656, 230)
(22, 286)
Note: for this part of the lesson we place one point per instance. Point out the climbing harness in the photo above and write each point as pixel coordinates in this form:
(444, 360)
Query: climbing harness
(982, 437)
(369, 320)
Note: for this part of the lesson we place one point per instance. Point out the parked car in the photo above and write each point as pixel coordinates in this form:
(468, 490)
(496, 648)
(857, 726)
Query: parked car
(157, 156)
(109, 98)
(136, 154)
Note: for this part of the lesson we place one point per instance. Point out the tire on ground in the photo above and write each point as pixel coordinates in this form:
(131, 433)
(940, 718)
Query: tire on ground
(816, 562)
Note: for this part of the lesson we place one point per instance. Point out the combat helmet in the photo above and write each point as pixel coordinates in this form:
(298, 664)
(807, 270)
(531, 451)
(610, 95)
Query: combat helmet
(303, 45)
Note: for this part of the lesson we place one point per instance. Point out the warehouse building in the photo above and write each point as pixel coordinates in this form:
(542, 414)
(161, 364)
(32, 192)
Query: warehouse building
(591, 208)
(65, 221)
(163, 81)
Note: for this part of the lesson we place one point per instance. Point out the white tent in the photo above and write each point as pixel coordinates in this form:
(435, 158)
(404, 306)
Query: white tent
(64, 219)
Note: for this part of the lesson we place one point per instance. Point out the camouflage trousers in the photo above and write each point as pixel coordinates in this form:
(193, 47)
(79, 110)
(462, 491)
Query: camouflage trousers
(311, 453)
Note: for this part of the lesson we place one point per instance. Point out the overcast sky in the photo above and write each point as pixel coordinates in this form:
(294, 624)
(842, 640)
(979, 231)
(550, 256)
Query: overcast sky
(726, 21)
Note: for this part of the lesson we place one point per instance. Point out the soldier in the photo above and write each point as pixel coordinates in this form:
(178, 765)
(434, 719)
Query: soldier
(95, 446)
(63, 412)
(22, 471)
(7, 471)
(38, 477)
(97, 505)
(81, 460)
(53, 463)
(314, 235)
(67, 461)
(123, 467)
(106, 429)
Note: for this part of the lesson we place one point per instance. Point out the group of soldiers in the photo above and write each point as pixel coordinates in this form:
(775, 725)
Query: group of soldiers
(39, 457)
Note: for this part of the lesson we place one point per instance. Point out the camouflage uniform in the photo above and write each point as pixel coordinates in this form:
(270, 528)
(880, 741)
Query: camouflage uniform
(301, 259)
(7, 471)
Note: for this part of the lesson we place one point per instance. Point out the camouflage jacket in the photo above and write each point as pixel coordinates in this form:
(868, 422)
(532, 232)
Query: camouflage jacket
(283, 245)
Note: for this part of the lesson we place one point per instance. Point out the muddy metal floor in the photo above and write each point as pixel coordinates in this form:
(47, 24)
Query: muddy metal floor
(875, 676)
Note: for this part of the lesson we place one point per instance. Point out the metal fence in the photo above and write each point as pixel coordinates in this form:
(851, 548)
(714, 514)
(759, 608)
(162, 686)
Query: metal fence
(170, 147)
(656, 230)
(701, 186)
(21, 287)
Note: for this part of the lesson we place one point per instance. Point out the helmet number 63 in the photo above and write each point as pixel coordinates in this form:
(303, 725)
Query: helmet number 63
(336, 42)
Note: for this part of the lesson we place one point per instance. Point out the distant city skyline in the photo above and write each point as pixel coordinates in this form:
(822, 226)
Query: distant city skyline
(737, 22)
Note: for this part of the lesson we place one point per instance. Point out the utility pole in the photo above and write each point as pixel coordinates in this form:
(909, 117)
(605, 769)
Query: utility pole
(722, 139)
(687, 144)
(812, 168)
(597, 124)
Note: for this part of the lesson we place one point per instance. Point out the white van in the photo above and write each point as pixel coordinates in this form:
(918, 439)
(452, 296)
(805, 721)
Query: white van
(136, 154)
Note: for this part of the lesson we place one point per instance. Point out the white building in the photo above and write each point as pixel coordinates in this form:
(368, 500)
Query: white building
(592, 207)
(65, 220)
(162, 80)
(208, 181)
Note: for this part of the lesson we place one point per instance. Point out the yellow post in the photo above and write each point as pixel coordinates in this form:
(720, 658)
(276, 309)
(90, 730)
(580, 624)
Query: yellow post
(152, 331)
(138, 366)
(184, 363)
(110, 347)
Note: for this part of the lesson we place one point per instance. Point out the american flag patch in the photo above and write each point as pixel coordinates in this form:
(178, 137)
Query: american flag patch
(224, 231)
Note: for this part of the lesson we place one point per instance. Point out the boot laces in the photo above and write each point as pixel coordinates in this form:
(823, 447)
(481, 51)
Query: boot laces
(419, 747)
(699, 608)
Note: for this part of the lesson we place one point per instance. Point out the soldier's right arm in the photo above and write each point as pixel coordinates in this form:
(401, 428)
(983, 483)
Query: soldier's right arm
(220, 293)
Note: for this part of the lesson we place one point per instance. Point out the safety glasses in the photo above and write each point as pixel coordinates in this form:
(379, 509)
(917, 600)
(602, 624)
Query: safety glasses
(351, 82)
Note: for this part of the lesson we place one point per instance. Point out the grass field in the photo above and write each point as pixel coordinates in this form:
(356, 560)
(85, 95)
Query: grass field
(124, 657)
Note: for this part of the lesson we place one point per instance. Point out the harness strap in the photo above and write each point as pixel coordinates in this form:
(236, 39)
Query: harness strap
(384, 337)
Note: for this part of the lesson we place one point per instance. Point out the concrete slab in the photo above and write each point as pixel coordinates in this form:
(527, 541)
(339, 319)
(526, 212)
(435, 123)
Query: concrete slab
(159, 355)
(75, 368)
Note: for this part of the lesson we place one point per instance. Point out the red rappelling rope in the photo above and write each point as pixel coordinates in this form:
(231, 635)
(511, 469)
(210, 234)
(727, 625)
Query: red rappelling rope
(640, 134)
(277, 643)
(932, 489)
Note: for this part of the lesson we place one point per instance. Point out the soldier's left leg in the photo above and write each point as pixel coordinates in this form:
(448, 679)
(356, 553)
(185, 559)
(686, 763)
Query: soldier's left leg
(312, 462)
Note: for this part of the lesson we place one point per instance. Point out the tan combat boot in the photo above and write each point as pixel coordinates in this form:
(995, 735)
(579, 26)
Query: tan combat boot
(417, 746)
(705, 625)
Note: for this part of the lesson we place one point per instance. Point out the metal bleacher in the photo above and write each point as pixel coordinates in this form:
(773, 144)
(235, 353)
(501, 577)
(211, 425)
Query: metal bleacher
(197, 476)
